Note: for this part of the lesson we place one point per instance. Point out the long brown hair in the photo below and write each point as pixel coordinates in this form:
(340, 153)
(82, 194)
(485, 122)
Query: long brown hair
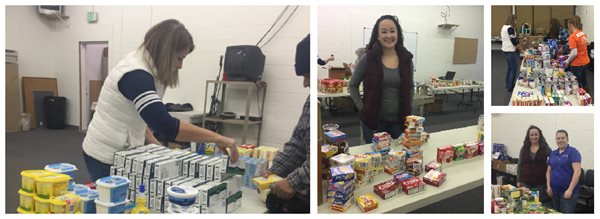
(554, 28)
(541, 139)
(162, 42)
(511, 20)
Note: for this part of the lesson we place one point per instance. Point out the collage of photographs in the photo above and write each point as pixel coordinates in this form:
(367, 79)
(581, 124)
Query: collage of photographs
(190, 108)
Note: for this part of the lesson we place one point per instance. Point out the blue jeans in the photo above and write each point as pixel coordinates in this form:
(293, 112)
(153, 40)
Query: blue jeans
(393, 129)
(579, 71)
(511, 72)
(564, 205)
(96, 168)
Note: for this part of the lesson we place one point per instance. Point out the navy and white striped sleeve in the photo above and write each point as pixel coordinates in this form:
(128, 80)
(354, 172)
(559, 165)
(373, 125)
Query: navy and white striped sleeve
(513, 36)
(138, 86)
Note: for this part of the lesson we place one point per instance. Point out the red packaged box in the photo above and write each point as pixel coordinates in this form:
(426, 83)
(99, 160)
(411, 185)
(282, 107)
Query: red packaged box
(472, 149)
(248, 146)
(434, 178)
(433, 166)
(412, 186)
(445, 154)
(386, 189)
(480, 146)
(332, 86)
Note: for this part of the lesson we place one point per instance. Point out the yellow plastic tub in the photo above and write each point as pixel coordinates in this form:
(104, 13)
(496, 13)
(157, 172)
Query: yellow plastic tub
(42, 205)
(22, 211)
(65, 204)
(28, 179)
(26, 201)
(52, 185)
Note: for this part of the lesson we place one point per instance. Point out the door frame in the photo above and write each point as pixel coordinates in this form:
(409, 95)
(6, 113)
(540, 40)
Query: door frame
(84, 106)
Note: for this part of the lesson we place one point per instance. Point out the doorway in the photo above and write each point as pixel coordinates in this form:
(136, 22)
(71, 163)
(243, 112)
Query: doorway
(93, 69)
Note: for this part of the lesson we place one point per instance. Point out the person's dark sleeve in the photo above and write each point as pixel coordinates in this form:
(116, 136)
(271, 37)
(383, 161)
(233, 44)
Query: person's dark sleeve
(321, 61)
(513, 36)
(138, 86)
(360, 70)
(520, 165)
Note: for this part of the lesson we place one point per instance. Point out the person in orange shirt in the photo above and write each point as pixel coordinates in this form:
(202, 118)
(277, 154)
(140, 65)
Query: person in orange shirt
(578, 58)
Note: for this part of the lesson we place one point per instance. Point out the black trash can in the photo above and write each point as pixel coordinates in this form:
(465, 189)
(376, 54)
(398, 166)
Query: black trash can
(55, 110)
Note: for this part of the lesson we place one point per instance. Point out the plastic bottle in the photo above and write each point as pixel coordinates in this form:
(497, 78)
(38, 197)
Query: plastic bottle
(140, 202)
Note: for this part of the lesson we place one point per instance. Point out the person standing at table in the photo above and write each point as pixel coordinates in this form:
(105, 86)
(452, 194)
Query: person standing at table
(554, 31)
(563, 39)
(130, 106)
(386, 72)
(578, 58)
(509, 47)
(562, 176)
(531, 170)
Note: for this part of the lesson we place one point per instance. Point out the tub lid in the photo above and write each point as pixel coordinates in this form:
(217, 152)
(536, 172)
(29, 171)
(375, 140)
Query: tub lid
(35, 173)
(90, 194)
(80, 189)
(54, 178)
(23, 192)
(60, 167)
(40, 199)
(23, 211)
(112, 181)
(182, 192)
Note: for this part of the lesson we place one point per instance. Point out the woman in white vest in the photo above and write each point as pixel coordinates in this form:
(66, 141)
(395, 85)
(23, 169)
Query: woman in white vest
(509, 47)
(130, 104)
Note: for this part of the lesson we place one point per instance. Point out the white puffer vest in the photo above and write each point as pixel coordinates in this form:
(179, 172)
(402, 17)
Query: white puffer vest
(116, 124)
(507, 45)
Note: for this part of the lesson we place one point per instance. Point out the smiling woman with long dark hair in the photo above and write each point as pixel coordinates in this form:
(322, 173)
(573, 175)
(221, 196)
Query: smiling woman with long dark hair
(386, 72)
(531, 170)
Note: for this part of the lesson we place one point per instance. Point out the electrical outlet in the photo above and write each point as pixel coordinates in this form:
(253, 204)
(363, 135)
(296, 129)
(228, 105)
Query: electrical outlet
(92, 16)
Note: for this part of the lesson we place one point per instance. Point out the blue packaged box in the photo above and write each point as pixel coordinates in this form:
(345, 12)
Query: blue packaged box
(342, 173)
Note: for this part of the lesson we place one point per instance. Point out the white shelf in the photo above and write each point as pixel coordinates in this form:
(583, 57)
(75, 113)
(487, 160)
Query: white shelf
(447, 26)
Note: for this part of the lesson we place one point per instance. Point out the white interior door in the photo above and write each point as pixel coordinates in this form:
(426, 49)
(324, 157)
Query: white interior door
(93, 66)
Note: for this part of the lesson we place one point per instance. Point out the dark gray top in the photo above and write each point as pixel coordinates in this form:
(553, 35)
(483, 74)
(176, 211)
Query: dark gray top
(532, 156)
(390, 90)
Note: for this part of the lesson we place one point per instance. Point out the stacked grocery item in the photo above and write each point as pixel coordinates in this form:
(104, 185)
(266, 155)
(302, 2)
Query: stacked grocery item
(340, 193)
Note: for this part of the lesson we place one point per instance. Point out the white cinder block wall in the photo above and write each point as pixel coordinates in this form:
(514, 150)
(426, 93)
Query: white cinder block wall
(341, 33)
(51, 49)
(510, 130)
(586, 12)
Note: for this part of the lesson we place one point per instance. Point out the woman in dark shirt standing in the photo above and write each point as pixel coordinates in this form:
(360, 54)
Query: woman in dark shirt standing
(386, 72)
(531, 170)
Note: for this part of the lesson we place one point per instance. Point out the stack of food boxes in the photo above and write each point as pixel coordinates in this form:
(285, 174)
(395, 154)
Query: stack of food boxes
(412, 140)
(340, 193)
(337, 138)
(395, 162)
(381, 142)
(158, 168)
(363, 167)
(327, 151)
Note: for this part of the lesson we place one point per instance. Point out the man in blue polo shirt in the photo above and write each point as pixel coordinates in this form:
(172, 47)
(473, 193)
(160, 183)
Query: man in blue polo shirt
(562, 176)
